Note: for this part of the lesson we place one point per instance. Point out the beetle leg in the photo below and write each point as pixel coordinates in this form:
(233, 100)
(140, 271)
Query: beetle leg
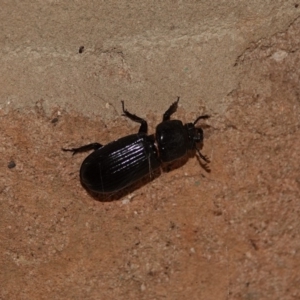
(93, 146)
(144, 125)
(170, 110)
(202, 156)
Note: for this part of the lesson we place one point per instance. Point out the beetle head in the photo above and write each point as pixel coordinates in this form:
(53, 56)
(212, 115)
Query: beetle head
(196, 136)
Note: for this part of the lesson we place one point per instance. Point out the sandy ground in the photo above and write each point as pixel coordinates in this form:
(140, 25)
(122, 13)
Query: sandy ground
(231, 233)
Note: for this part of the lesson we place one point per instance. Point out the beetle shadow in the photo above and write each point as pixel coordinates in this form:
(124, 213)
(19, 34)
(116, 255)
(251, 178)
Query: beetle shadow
(109, 197)
(173, 165)
(168, 167)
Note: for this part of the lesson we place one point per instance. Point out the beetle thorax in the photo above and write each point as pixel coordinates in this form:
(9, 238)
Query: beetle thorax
(172, 139)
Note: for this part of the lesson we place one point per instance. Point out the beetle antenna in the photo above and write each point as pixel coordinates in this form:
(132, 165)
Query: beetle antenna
(201, 117)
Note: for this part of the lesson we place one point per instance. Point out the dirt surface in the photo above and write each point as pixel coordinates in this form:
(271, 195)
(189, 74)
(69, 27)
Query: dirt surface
(232, 233)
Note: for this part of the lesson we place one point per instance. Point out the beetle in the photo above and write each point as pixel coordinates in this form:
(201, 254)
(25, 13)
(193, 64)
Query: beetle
(113, 167)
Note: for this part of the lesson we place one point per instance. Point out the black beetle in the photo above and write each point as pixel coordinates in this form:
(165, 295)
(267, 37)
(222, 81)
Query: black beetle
(112, 167)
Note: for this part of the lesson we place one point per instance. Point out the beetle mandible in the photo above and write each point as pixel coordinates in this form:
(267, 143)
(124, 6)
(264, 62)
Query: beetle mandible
(113, 167)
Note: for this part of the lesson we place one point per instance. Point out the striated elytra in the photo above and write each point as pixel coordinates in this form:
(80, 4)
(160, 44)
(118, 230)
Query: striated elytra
(114, 166)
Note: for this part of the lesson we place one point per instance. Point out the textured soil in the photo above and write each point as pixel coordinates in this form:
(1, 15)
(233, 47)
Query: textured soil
(231, 233)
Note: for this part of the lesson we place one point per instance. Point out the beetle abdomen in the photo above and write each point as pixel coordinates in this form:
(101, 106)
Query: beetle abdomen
(119, 164)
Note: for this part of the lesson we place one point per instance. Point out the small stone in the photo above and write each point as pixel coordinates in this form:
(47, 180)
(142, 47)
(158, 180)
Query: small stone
(11, 164)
